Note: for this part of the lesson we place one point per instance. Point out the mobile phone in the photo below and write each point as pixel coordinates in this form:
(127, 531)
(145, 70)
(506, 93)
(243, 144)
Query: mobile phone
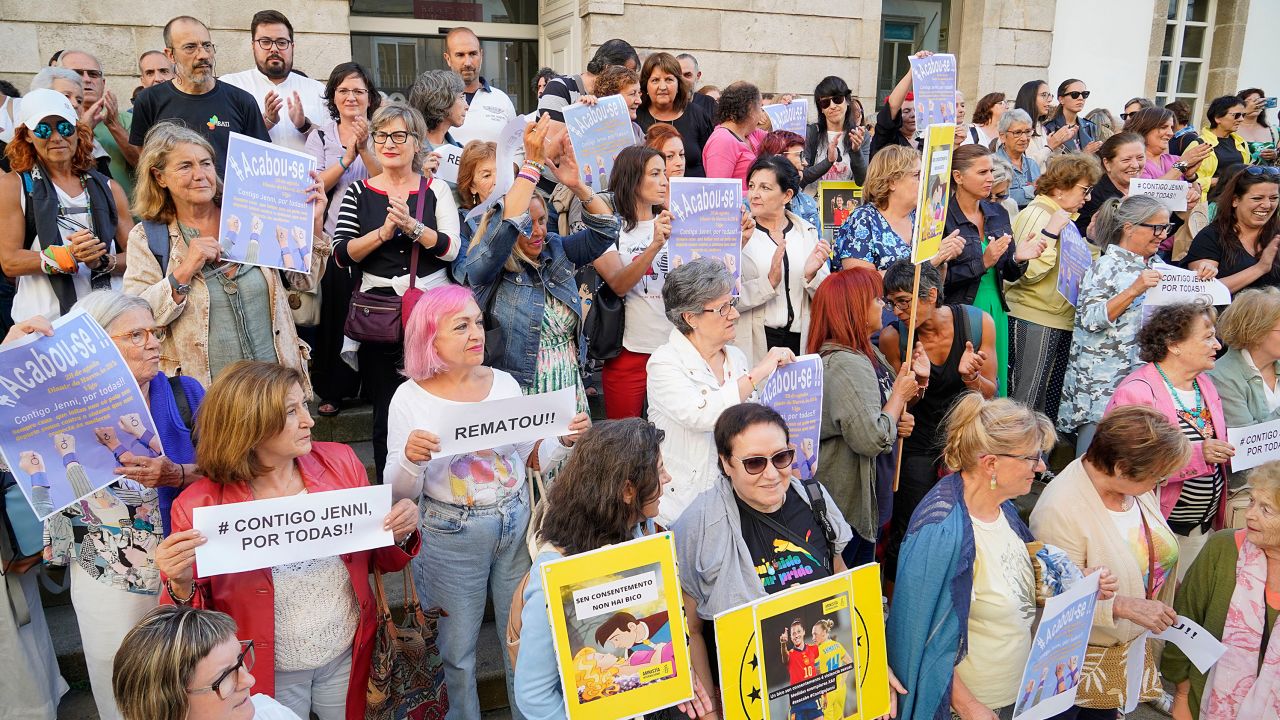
(1269, 103)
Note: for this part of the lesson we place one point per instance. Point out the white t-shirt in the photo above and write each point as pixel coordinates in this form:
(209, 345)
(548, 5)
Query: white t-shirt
(35, 293)
(490, 111)
(1000, 615)
(311, 92)
(266, 707)
(645, 327)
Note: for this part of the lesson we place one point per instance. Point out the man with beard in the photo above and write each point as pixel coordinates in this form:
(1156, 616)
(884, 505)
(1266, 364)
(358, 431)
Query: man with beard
(290, 103)
(194, 97)
(489, 108)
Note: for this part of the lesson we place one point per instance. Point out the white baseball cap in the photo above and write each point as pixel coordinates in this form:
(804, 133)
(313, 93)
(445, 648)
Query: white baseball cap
(40, 104)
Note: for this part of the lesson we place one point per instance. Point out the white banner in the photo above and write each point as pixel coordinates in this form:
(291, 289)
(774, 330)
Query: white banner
(262, 533)
(485, 425)
(1171, 193)
(1198, 644)
(1178, 285)
(1254, 444)
(450, 162)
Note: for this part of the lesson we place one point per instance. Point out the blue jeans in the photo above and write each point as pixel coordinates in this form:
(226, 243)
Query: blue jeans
(470, 553)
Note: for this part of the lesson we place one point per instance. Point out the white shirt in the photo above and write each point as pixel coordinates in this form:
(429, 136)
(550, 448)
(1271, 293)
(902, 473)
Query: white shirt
(646, 327)
(310, 91)
(490, 111)
(35, 293)
(801, 240)
(266, 707)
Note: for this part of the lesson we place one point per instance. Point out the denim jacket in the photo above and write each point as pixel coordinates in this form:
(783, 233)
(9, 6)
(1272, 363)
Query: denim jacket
(521, 296)
(1087, 132)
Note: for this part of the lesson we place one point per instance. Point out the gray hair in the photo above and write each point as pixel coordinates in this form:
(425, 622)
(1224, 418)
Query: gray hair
(1012, 116)
(434, 93)
(412, 120)
(690, 58)
(691, 286)
(106, 306)
(44, 79)
(1108, 227)
(1001, 170)
(77, 51)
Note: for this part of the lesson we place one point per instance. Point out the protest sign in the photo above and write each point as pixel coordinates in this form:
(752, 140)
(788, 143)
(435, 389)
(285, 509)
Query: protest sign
(836, 201)
(510, 147)
(873, 652)
(1179, 286)
(1255, 444)
(618, 627)
(706, 221)
(262, 533)
(266, 219)
(70, 413)
(450, 162)
(1074, 260)
(793, 116)
(598, 133)
(1052, 673)
(935, 190)
(1198, 644)
(933, 84)
(795, 391)
(488, 424)
(1171, 193)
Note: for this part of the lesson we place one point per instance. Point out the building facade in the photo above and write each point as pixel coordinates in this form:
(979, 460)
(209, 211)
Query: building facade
(1166, 49)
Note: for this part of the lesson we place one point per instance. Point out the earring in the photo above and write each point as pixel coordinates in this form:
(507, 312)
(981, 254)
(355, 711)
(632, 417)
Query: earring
(993, 481)
(1177, 352)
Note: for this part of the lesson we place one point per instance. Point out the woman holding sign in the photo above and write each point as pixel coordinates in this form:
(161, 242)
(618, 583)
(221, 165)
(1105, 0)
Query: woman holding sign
(475, 505)
(1246, 374)
(312, 622)
(1244, 237)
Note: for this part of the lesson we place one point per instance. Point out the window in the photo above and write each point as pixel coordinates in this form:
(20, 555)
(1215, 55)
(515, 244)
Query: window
(1188, 37)
(395, 61)
(459, 11)
(898, 41)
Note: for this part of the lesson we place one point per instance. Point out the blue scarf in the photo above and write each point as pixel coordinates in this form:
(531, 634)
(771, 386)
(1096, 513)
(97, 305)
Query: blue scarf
(174, 434)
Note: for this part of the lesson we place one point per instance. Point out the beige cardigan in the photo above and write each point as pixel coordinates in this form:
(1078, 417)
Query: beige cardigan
(185, 351)
(1070, 515)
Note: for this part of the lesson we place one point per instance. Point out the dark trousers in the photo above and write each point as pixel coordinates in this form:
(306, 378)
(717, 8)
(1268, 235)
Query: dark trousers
(919, 475)
(333, 379)
(858, 552)
(1076, 712)
(380, 366)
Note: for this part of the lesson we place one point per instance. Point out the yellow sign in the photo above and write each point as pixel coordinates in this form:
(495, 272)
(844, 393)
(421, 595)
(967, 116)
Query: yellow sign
(836, 200)
(617, 620)
(935, 189)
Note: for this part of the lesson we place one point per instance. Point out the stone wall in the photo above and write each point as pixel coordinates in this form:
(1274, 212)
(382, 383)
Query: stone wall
(118, 32)
(1000, 44)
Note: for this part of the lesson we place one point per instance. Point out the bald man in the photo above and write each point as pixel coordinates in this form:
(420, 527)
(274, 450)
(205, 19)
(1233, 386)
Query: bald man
(100, 110)
(490, 108)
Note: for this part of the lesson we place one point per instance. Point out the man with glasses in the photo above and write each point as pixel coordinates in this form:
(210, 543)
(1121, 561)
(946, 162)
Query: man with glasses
(490, 109)
(291, 103)
(100, 110)
(195, 97)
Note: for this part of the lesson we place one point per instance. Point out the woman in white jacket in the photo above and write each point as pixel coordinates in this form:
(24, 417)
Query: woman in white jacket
(696, 375)
(782, 264)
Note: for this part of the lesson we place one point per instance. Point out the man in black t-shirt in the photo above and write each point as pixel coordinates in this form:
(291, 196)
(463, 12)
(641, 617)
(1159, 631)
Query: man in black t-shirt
(194, 96)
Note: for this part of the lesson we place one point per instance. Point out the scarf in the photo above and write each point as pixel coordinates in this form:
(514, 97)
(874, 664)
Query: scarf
(173, 432)
(42, 221)
(1235, 688)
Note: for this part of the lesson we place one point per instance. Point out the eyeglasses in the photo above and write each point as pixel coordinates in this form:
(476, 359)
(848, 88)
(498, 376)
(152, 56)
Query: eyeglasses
(351, 92)
(44, 131)
(139, 337)
(268, 43)
(826, 102)
(901, 303)
(1033, 459)
(1018, 133)
(1257, 171)
(756, 464)
(398, 137)
(723, 310)
(95, 74)
(794, 153)
(244, 660)
(1076, 94)
(1046, 95)
(1088, 189)
(191, 48)
(1159, 229)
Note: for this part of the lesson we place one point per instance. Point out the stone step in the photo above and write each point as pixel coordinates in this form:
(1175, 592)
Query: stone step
(353, 424)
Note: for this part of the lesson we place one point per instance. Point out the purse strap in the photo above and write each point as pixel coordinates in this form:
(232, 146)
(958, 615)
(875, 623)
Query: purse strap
(789, 534)
(1150, 584)
(423, 185)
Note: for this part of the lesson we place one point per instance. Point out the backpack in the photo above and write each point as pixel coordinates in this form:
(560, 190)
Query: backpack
(158, 242)
(21, 532)
(514, 621)
(973, 322)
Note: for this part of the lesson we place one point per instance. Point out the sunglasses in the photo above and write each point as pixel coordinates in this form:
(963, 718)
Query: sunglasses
(1159, 229)
(1236, 115)
(1076, 94)
(1125, 116)
(756, 464)
(44, 131)
(1257, 171)
(824, 103)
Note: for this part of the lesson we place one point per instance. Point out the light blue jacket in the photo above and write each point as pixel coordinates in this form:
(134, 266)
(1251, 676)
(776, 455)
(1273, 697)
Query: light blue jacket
(1020, 187)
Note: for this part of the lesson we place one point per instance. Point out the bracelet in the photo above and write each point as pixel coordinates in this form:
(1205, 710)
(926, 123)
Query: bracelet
(183, 468)
(168, 585)
(539, 167)
(527, 176)
(343, 162)
(976, 377)
(1045, 232)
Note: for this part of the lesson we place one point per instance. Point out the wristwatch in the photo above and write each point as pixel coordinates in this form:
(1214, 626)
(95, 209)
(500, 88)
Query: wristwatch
(417, 231)
(1181, 167)
(180, 288)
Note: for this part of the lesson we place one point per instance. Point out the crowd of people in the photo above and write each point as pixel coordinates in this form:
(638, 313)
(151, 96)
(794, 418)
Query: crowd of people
(930, 449)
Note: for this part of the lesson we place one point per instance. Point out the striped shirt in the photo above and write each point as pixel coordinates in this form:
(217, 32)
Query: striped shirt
(1200, 497)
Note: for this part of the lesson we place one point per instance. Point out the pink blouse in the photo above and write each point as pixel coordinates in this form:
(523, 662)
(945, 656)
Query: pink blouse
(1156, 168)
(725, 156)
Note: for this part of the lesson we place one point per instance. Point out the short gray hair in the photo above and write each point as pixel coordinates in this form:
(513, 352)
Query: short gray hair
(434, 93)
(1109, 222)
(690, 58)
(44, 79)
(1013, 116)
(413, 122)
(691, 286)
(106, 306)
(77, 51)
(1001, 170)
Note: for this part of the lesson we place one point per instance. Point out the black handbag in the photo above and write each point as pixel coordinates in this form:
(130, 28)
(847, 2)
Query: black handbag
(494, 337)
(602, 326)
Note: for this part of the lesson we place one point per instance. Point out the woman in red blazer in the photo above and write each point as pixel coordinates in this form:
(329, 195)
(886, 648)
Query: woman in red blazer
(312, 622)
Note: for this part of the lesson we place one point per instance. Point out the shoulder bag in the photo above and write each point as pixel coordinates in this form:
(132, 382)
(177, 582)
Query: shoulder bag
(379, 317)
(406, 674)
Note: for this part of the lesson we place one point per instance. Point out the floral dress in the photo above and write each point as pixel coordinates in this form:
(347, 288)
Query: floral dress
(867, 235)
(557, 362)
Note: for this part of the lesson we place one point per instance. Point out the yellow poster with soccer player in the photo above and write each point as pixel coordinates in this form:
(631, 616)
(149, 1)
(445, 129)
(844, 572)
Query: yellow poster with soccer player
(617, 621)
(935, 190)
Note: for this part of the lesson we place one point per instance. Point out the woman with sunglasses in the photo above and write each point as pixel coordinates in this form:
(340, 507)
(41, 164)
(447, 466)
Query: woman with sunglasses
(1223, 117)
(1034, 98)
(697, 374)
(67, 225)
(1109, 310)
(1072, 95)
(1103, 512)
(833, 146)
(183, 663)
(1242, 241)
(959, 629)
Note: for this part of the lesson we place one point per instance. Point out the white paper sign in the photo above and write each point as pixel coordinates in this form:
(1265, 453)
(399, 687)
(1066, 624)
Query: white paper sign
(485, 425)
(1254, 444)
(617, 594)
(450, 162)
(1198, 644)
(1171, 193)
(262, 533)
(1134, 666)
(1178, 285)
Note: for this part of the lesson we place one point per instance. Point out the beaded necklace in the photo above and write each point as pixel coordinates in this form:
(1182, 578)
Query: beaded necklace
(1197, 415)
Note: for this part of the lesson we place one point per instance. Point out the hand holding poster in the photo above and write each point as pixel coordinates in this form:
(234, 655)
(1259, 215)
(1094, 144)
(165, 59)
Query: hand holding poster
(1255, 444)
(1198, 644)
(933, 84)
(598, 133)
(488, 424)
(70, 413)
(795, 391)
(935, 191)
(617, 623)
(450, 161)
(510, 145)
(706, 221)
(1074, 260)
(1052, 673)
(1171, 193)
(794, 116)
(262, 533)
(266, 219)
(1178, 285)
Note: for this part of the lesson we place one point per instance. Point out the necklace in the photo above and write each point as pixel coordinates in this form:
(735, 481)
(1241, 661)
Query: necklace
(1195, 414)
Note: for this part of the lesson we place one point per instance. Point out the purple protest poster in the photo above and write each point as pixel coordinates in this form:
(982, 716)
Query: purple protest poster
(1074, 259)
(70, 413)
(706, 221)
(598, 133)
(933, 84)
(265, 216)
(795, 391)
(793, 116)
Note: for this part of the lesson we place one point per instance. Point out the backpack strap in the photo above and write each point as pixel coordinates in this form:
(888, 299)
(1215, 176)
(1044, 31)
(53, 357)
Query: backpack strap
(818, 502)
(973, 321)
(182, 401)
(158, 243)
